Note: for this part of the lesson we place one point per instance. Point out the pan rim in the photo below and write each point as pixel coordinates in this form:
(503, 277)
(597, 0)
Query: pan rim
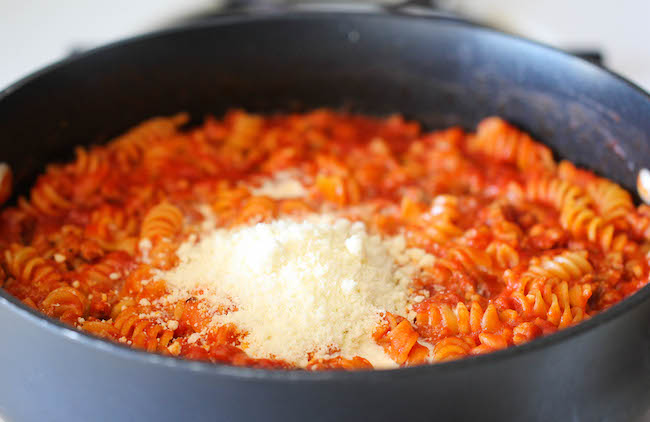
(56, 327)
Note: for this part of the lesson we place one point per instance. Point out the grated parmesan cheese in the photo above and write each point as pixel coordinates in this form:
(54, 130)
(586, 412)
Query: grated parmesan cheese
(145, 246)
(299, 288)
(283, 185)
(209, 222)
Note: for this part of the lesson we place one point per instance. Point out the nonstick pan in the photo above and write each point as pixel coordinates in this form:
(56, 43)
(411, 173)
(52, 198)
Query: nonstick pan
(438, 71)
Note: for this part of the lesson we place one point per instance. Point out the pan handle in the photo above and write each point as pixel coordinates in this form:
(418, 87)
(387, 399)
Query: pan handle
(403, 7)
(433, 8)
(423, 8)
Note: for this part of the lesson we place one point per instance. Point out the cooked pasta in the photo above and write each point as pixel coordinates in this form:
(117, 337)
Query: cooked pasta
(508, 244)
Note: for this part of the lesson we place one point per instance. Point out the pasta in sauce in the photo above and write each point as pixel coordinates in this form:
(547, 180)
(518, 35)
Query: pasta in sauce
(523, 246)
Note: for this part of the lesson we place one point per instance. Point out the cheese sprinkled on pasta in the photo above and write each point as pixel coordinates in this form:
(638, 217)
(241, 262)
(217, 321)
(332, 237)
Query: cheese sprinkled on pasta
(298, 289)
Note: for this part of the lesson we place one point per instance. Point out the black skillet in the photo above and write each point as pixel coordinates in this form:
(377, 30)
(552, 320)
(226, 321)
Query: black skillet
(439, 71)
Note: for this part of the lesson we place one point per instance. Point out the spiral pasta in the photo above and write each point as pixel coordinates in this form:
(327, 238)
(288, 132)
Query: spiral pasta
(499, 140)
(552, 191)
(130, 146)
(502, 245)
(65, 303)
(580, 220)
(142, 333)
(25, 264)
(161, 222)
(566, 266)
(577, 214)
(504, 255)
(611, 201)
(47, 199)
